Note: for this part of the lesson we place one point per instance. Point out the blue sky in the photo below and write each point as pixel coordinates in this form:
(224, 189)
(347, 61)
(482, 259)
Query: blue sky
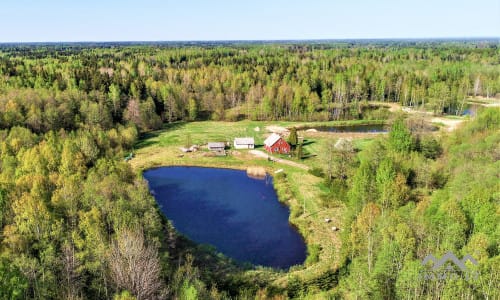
(154, 20)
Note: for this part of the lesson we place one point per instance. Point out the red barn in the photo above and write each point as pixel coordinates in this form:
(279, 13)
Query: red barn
(276, 144)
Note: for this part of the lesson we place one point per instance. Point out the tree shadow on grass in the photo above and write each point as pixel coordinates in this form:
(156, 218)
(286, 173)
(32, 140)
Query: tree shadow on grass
(308, 142)
(308, 156)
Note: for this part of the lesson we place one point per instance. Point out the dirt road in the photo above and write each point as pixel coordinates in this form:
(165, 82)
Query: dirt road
(261, 154)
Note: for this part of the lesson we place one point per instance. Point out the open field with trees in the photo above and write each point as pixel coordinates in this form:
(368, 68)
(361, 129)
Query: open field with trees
(75, 217)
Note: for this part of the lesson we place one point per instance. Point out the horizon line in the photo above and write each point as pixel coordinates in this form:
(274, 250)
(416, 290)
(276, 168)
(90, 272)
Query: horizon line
(489, 38)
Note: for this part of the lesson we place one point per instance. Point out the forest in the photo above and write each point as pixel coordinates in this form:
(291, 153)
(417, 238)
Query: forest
(75, 218)
(149, 85)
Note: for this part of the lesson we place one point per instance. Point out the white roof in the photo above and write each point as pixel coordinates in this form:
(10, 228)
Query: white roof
(244, 141)
(272, 139)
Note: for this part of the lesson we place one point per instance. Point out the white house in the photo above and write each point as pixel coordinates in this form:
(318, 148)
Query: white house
(244, 143)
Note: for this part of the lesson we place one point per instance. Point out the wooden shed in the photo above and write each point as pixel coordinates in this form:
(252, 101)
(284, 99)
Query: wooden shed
(216, 146)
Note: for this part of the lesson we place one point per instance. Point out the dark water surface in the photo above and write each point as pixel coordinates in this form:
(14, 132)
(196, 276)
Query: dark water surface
(471, 109)
(240, 216)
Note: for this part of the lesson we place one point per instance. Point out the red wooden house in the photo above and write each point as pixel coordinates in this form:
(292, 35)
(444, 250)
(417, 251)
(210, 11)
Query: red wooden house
(276, 144)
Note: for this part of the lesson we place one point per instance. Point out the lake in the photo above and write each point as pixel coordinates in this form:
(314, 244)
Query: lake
(353, 128)
(240, 216)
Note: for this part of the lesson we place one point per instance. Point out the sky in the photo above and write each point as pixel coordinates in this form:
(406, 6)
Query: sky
(190, 20)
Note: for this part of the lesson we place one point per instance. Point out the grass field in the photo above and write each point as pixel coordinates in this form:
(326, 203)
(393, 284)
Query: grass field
(299, 189)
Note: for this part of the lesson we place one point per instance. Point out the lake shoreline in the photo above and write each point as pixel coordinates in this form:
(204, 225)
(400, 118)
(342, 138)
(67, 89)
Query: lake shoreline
(187, 201)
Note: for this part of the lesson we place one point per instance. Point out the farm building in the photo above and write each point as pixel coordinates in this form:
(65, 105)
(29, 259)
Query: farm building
(276, 144)
(244, 143)
(216, 146)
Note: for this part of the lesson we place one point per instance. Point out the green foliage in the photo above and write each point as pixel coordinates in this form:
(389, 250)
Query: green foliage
(400, 138)
(3, 204)
(362, 187)
(98, 86)
(125, 295)
(292, 138)
(300, 153)
(68, 116)
(430, 147)
(385, 248)
(192, 109)
(313, 251)
(13, 284)
(188, 292)
(318, 172)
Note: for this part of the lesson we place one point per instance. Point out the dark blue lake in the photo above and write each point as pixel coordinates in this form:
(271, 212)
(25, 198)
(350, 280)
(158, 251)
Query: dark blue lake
(240, 216)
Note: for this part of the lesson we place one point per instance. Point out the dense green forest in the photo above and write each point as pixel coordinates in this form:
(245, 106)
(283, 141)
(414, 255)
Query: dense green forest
(150, 85)
(76, 222)
(410, 197)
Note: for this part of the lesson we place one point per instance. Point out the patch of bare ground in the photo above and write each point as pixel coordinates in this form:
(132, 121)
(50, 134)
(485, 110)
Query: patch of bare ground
(277, 129)
(449, 124)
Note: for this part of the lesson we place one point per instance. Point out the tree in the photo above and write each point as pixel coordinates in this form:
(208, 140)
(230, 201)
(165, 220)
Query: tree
(114, 96)
(134, 265)
(292, 138)
(192, 109)
(362, 188)
(3, 204)
(400, 138)
(430, 147)
(385, 178)
(339, 158)
(12, 284)
(133, 112)
(299, 151)
(363, 233)
(149, 120)
(34, 118)
(410, 283)
(71, 272)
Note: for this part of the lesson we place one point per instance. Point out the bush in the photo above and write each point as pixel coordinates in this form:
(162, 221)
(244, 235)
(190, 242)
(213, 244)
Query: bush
(318, 172)
(430, 147)
(312, 254)
(376, 114)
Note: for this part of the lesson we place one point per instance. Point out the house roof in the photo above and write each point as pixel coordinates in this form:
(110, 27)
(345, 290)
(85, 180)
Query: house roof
(272, 139)
(244, 141)
(216, 145)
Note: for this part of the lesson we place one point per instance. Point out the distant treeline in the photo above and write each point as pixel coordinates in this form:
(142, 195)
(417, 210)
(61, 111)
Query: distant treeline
(65, 85)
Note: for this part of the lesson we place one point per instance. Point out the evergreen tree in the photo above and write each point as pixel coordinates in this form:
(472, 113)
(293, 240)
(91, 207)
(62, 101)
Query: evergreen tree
(292, 138)
(299, 151)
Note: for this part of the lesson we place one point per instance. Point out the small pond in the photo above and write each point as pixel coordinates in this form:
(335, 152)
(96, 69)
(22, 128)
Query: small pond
(240, 216)
(471, 109)
(354, 128)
